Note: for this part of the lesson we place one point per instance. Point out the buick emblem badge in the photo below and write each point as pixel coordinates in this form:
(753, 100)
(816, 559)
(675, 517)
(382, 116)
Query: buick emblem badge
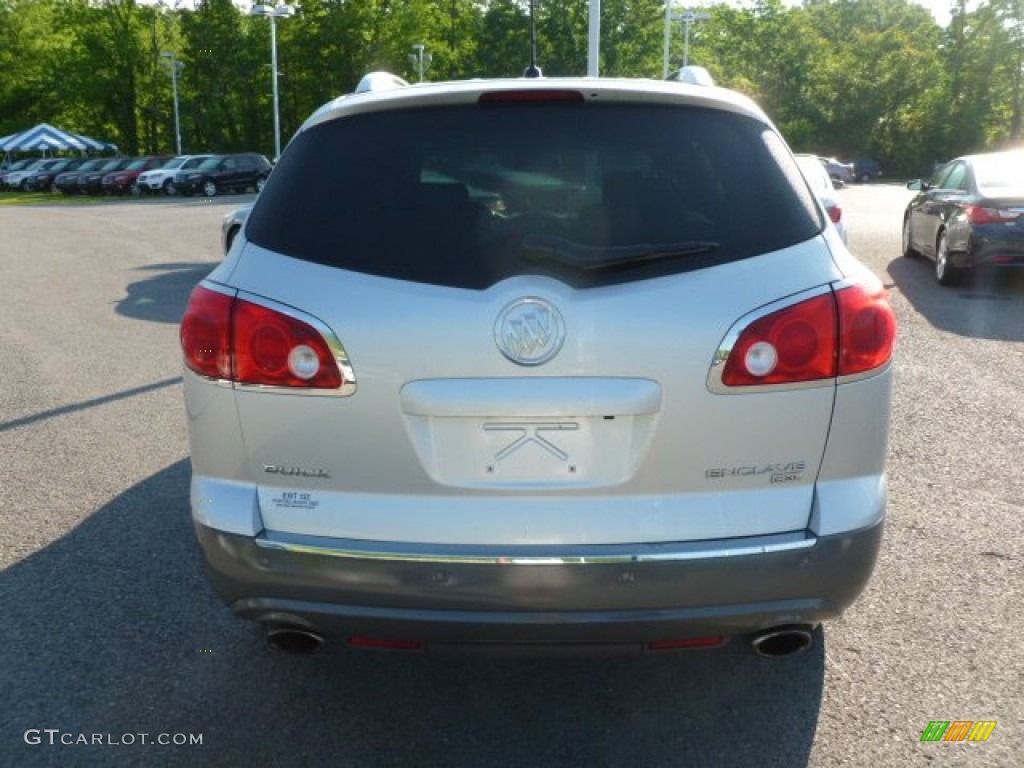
(529, 331)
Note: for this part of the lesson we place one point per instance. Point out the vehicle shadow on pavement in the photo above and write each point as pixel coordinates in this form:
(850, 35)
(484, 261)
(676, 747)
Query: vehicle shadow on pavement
(112, 630)
(162, 297)
(985, 306)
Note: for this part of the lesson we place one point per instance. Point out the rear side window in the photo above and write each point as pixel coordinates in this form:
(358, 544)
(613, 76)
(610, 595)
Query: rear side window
(591, 194)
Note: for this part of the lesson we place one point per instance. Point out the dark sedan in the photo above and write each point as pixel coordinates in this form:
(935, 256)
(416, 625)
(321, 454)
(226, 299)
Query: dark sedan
(968, 215)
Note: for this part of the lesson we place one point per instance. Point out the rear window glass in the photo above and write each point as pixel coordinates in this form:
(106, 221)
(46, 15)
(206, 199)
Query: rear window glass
(1000, 175)
(591, 194)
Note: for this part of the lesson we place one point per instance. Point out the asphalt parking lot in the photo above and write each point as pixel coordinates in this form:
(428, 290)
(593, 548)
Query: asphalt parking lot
(110, 634)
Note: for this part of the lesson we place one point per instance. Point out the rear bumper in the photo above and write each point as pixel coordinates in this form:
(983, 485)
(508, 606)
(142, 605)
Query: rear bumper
(539, 595)
(992, 246)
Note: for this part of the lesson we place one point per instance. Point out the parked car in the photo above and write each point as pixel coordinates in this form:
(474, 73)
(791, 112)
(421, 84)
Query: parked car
(224, 173)
(42, 180)
(232, 224)
(18, 179)
(17, 165)
(641, 405)
(125, 180)
(66, 181)
(841, 173)
(91, 182)
(865, 169)
(162, 179)
(822, 186)
(968, 215)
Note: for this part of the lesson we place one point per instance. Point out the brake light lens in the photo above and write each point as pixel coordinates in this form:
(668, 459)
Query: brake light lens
(206, 333)
(867, 329)
(229, 338)
(978, 214)
(530, 95)
(797, 343)
(845, 332)
(835, 212)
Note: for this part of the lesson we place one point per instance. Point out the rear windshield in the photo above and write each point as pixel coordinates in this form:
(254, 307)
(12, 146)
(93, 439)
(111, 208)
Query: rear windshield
(1000, 175)
(591, 194)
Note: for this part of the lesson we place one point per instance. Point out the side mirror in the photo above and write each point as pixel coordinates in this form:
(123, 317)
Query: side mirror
(916, 185)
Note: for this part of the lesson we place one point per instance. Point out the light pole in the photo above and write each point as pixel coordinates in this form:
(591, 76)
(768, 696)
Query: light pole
(669, 18)
(274, 12)
(176, 67)
(420, 60)
(689, 17)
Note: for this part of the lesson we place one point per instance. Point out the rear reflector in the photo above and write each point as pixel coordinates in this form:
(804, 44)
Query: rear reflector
(384, 644)
(709, 641)
(840, 333)
(229, 338)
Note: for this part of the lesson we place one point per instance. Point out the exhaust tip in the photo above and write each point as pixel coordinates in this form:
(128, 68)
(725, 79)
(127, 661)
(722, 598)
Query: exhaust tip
(783, 641)
(296, 641)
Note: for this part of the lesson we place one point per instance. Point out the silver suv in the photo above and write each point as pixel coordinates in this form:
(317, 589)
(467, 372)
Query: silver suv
(538, 363)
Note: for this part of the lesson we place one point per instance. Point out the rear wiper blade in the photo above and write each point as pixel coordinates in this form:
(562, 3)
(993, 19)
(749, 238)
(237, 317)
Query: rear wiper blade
(595, 257)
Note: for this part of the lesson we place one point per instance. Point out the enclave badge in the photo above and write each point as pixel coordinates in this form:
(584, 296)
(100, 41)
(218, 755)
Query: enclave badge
(529, 331)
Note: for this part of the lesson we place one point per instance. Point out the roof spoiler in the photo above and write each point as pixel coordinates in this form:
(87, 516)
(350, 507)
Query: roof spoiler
(380, 81)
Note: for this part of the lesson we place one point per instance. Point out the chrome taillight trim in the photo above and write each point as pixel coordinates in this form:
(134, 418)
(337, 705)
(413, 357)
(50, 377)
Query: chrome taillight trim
(540, 555)
(334, 344)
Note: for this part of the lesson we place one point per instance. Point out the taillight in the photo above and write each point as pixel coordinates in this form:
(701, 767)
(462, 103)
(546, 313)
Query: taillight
(978, 214)
(835, 212)
(206, 333)
(796, 343)
(229, 338)
(842, 333)
(867, 329)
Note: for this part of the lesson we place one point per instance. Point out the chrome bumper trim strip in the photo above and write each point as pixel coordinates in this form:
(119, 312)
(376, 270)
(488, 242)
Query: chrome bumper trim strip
(612, 554)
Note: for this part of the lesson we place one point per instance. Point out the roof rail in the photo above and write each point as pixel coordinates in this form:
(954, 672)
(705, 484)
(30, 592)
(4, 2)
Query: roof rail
(693, 75)
(380, 81)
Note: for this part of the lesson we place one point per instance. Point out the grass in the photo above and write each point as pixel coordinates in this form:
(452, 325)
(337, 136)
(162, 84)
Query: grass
(49, 198)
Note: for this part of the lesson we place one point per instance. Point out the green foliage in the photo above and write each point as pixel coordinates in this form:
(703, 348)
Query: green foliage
(848, 77)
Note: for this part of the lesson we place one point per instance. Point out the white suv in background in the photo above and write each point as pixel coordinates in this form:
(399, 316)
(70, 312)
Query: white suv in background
(162, 179)
(541, 363)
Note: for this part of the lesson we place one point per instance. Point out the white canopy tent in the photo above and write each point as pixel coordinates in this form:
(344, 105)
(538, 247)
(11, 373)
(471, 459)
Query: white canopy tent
(46, 138)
